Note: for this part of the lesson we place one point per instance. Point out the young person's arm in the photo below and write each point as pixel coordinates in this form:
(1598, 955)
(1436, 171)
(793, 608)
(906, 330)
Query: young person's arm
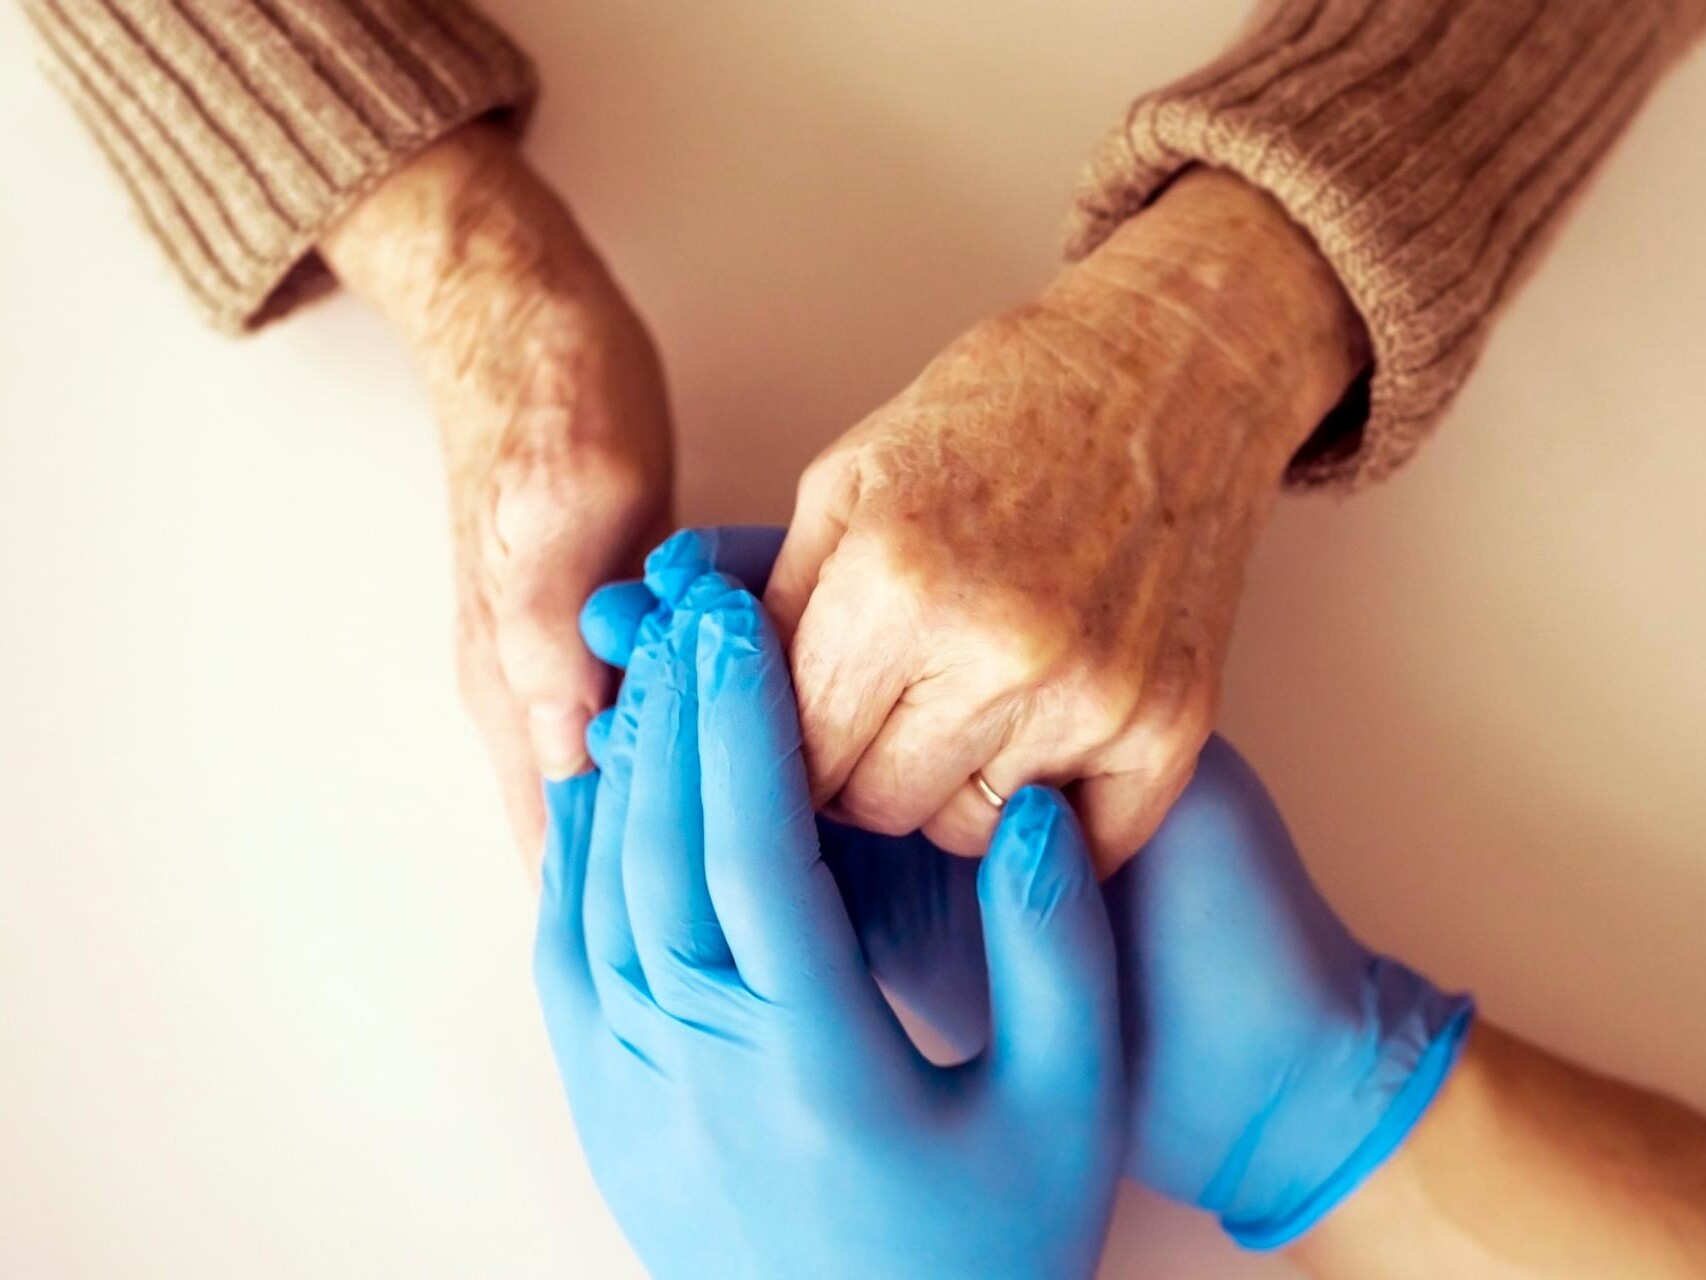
(1528, 1166)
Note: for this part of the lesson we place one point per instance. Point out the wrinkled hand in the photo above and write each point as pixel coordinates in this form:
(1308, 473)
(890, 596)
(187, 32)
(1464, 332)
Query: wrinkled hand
(1027, 563)
(747, 1102)
(555, 430)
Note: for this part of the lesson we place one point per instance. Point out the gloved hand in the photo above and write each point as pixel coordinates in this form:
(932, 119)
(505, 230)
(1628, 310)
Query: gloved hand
(913, 907)
(1273, 1061)
(747, 1101)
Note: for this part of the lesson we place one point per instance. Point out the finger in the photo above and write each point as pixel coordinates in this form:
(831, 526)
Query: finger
(1052, 985)
(822, 508)
(776, 900)
(966, 822)
(611, 617)
(541, 550)
(547, 668)
(610, 620)
(744, 552)
(676, 933)
(519, 786)
(560, 969)
(612, 955)
(922, 754)
(504, 731)
(1121, 811)
(853, 655)
(747, 553)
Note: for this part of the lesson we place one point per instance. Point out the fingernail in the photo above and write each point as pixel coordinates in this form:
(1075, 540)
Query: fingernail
(558, 732)
(672, 566)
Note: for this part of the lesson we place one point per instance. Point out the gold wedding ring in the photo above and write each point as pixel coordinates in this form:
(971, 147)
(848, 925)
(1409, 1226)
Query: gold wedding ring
(989, 793)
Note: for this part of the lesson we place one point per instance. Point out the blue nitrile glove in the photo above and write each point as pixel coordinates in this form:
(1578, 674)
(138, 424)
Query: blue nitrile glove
(1273, 1060)
(748, 1103)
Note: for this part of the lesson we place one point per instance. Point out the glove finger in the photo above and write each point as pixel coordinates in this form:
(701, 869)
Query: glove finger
(1052, 983)
(598, 736)
(676, 933)
(611, 618)
(612, 957)
(745, 552)
(560, 969)
(775, 898)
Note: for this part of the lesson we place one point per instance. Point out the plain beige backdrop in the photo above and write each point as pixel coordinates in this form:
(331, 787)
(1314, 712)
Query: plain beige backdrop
(264, 998)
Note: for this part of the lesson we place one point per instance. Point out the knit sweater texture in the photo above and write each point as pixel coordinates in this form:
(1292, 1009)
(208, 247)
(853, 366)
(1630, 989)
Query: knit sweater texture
(1430, 147)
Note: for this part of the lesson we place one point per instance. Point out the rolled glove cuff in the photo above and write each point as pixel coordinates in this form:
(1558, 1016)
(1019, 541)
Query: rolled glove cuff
(1409, 1103)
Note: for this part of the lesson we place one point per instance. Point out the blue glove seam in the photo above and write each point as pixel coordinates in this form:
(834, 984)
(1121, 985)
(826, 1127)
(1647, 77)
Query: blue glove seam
(1411, 1102)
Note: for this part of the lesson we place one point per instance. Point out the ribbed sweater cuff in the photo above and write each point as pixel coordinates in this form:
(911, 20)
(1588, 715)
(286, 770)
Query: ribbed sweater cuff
(244, 128)
(1428, 146)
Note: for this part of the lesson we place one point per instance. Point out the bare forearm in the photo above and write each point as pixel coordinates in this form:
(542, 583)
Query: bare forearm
(1529, 1166)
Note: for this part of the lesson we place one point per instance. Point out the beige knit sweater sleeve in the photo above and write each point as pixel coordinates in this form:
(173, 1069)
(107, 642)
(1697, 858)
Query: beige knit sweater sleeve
(1429, 146)
(244, 128)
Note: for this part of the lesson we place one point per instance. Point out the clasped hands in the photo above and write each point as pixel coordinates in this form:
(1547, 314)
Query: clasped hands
(1025, 565)
(1023, 568)
(708, 957)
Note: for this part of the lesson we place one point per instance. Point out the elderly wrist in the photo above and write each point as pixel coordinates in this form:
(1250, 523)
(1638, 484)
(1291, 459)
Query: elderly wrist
(466, 219)
(1219, 255)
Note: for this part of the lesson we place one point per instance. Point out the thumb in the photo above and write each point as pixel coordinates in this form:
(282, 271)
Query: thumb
(555, 681)
(1053, 988)
(613, 615)
(611, 619)
(822, 509)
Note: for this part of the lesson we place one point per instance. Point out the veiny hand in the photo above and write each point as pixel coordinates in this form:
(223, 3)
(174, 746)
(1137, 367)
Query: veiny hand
(1027, 563)
(555, 430)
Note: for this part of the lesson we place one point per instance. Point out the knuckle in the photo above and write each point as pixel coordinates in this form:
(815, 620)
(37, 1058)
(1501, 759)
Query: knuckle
(1103, 701)
(825, 478)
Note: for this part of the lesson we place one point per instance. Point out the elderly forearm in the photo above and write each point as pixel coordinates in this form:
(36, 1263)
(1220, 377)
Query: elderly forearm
(1529, 1166)
(1427, 146)
(244, 129)
(463, 233)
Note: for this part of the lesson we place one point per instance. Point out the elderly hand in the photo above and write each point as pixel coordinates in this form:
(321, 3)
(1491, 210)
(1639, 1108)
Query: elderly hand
(1025, 566)
(554, 424)
(747, 1101)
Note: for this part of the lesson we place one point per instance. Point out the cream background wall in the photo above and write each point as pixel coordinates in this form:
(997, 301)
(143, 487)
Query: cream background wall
(264, 1003)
